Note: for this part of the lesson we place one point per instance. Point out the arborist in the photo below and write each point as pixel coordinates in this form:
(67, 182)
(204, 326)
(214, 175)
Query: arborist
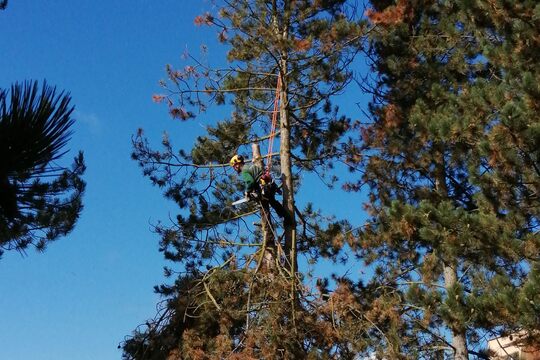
(259, 186)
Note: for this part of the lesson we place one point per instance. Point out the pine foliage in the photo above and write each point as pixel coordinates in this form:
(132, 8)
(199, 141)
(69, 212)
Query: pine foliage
(450, 155)
(239, 294)
(451, 159)
(39, 199)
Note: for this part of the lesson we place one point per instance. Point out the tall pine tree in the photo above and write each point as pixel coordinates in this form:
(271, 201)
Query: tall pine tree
(452, 161)
(239, 292)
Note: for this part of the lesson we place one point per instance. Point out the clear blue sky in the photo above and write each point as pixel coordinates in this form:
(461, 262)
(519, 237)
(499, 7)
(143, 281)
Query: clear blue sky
(90, 289)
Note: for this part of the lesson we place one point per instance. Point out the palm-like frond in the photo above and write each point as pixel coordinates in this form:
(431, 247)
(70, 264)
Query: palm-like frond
(34, 128)
(39, 200)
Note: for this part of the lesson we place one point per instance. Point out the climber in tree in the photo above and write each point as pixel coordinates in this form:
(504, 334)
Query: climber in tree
(259, 186)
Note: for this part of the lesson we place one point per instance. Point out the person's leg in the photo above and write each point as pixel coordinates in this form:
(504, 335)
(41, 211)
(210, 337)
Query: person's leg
(280, 210)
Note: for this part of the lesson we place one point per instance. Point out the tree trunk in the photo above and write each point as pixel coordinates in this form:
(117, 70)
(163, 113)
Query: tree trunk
(281, 31)
(286, 173)
(459, 339)
(286, 164)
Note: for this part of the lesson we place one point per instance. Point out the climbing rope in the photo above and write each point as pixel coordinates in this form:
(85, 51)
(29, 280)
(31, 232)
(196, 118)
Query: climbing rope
(274, 124)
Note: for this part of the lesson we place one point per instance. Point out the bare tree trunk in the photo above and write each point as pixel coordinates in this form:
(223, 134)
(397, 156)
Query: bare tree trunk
(285, 162)
(286, 174)
(459, 339)
(281, 31)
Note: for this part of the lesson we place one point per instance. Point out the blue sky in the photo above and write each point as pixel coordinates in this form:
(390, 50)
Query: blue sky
(90, 289)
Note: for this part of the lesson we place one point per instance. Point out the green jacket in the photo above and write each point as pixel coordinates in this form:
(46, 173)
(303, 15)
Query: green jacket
(251, 175)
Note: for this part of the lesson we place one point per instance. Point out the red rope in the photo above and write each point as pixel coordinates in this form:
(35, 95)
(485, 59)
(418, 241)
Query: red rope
(274, 124)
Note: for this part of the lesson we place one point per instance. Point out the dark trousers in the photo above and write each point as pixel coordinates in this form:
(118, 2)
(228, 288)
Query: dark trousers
(268, 199)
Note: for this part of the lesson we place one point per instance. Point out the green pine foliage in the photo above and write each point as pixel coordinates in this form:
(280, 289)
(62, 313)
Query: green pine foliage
(451, 159)
(39, 199)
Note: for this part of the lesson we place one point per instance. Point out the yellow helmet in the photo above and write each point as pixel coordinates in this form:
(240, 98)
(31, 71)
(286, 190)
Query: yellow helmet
(236, 159)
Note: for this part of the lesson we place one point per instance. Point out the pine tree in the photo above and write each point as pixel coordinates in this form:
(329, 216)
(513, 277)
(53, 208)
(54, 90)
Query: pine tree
(39, 199)
(451, 160)
(229, 301)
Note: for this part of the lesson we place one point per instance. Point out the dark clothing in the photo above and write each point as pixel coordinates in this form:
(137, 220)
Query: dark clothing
(279, 209)
(267, 196)
(259, 186)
